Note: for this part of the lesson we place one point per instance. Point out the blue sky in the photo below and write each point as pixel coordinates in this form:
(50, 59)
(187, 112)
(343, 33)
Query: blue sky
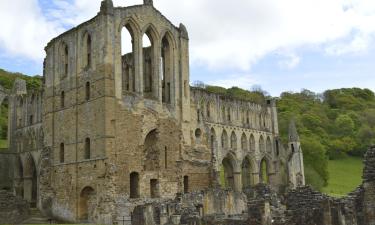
(280, 45)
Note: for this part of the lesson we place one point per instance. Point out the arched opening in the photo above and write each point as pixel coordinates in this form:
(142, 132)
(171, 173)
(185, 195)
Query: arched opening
(233, 141)
(127, 54)
(269, 145)
(186, 184)
(224, 140)
(247, 173)
(86, 204)
(247, 118)
(229, 114)
(264, 171)
(134, 185)
(154, 188)
(277, 147)
(149, 70)
(223, 114)
(64, 60)
(198, 135)
(292, 147)
(87, 50)
(152, 151)
(87, 153)
(87, 91)
(244, 146)
(252, 143)
(62, 99)
(62, 153)
(166, 68)
(30, 181)
(226, 173)
(262, 147)
(208, 110)
(213, 142)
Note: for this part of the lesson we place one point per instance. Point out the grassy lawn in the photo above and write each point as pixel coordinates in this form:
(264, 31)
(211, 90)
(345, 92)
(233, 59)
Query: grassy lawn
(344, 176)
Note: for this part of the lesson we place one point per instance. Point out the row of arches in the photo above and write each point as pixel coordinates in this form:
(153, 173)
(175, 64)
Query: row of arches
(65, 54)
(156, 61)
(256, 119)
(249, 174)
(26, 178)
(29, 139)
(246, 144)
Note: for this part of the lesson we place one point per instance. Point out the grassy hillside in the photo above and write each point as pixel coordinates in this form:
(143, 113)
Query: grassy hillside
(6, 80)
(344, 175)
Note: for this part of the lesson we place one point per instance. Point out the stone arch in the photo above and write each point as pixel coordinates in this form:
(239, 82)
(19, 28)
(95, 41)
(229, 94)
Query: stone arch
(208, 109)
(152, 151)
(129, 29)
(264, 169)
(262, 147)
(269, 146)
(167, 65)
(233, 141)
(244, 145)
(87, 149)
(87, 40)
(134, 185)
(224, 140)
(252, 143)
(149, 61)
(64, 59)
(247, 171)
(30, 179)
(86, 204)
(228, 165)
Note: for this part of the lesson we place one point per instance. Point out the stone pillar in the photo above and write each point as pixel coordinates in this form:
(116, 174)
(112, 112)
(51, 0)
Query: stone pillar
(237, 181)
(255, 178)
(156, 78)
(138, 63)
(27, 188)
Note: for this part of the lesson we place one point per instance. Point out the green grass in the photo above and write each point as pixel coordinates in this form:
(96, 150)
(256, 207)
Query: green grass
(3, 143)
(344, 176)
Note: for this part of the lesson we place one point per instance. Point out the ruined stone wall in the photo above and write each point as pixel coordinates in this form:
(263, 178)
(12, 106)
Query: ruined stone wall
(13, 209)
(240, 131)
(6, 171)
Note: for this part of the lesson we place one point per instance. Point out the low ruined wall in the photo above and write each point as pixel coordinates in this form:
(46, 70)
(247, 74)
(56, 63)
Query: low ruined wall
(13, 209)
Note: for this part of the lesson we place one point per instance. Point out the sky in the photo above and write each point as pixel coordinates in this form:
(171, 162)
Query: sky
(281, 46)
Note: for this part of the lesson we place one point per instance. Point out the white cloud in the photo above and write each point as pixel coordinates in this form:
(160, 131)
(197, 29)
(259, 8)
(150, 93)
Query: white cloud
(24, 31)
(290, 61)
(223, 34)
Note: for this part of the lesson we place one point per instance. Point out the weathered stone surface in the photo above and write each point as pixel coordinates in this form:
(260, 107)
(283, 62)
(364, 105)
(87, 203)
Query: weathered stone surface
(13, 209)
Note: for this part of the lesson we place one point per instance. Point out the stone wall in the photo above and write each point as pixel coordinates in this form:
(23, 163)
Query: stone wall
(13, 209)
(5, 171)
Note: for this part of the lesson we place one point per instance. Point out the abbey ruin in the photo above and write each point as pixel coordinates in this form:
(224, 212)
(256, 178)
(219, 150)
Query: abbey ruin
(118, 137)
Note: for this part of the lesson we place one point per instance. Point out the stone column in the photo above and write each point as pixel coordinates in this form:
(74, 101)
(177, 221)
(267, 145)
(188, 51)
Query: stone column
(255, 178)
(27, 188)
(138, 63)
(237, 181)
